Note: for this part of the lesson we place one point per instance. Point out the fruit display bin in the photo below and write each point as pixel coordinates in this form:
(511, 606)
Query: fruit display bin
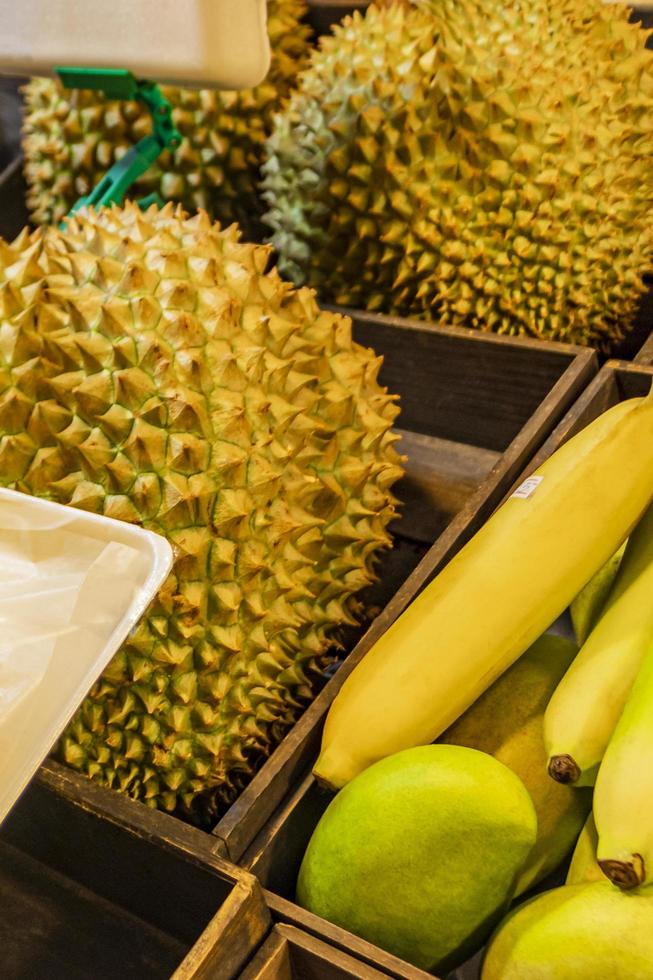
(275, 854)
(86, 893)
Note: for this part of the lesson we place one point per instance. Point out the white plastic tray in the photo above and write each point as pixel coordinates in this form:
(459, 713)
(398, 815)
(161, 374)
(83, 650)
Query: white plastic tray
(72, 587)
(206, 43)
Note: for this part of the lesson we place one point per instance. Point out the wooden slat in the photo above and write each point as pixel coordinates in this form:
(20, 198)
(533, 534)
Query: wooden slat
(462, 385)
(272, 962)
(440, 477)
(227, 943)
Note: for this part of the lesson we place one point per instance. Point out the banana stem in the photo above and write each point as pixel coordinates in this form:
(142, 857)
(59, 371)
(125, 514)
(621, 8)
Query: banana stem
(625, 874)
(563, 769)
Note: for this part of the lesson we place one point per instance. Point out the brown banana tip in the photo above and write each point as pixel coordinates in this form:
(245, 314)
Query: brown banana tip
(625, 874)
(563, 769)
(324, 783)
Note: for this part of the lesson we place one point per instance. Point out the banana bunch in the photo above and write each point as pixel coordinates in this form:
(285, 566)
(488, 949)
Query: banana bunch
(598, 726)
(588, 702)
(585, 516)
(502, 590)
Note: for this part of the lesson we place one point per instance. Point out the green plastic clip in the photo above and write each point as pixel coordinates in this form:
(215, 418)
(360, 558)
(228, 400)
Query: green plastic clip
(118, 83)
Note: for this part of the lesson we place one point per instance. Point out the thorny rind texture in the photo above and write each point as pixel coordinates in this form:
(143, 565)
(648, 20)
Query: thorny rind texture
(488, 165)
(71, 138)
(152, 371)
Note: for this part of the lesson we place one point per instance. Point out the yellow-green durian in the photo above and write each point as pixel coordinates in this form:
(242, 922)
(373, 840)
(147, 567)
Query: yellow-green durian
(486, 163)
(153, 371)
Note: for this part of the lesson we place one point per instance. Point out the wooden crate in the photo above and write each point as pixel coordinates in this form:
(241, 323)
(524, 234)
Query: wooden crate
(87, 894)
(276, 853)
(475, 408)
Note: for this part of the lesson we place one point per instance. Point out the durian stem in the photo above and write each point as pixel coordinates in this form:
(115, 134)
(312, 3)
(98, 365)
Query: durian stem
(564, 769)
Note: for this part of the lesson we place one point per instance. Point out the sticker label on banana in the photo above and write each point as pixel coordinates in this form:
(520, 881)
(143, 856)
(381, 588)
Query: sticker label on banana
(528, 487)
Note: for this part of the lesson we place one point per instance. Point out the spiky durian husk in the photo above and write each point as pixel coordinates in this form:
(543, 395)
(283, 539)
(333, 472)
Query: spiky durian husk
(152, 371)
(71, 138)
(487, 164)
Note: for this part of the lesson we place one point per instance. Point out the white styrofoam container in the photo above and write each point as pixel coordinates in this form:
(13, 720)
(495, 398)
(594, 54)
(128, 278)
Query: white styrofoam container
(72, 587)
(205, 43)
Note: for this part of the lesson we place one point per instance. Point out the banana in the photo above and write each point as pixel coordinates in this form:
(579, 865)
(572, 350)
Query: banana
(584, 867)
(492, 600)
(589, 603)
(586, 705)
(623, 797)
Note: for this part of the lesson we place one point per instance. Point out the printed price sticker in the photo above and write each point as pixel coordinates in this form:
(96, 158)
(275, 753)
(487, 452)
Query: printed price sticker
(528, 487)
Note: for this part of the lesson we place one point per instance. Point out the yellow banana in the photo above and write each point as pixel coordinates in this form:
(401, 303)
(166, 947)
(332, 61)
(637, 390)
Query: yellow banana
(586, 704)
(517, 574)
(623, 797)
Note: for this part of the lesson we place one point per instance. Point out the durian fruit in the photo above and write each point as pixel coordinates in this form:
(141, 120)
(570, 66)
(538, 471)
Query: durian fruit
(482, 162)
(71, 138)
(151, 370)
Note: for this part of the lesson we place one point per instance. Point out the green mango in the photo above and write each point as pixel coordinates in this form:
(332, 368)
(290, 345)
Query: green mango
(420, 853)
(506, 721)
(591, 931)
